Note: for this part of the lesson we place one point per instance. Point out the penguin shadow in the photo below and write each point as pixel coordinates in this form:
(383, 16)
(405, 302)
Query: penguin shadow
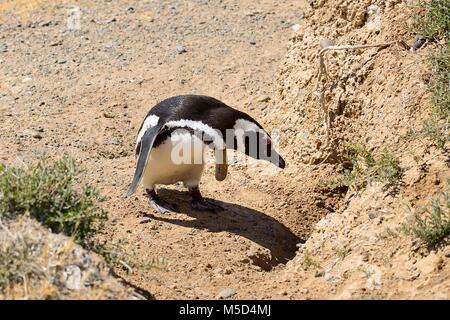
(245, 222)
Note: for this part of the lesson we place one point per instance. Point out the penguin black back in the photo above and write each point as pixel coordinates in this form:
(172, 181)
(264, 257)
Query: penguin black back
(207, 110)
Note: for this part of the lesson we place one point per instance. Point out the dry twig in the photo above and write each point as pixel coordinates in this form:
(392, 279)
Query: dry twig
(322, 74)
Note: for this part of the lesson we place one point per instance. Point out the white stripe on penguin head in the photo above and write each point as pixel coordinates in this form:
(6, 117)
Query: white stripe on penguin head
(149, 122)
(245, 125)
(242, 127)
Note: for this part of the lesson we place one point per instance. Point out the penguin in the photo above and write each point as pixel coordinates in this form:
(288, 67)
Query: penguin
(172, 139)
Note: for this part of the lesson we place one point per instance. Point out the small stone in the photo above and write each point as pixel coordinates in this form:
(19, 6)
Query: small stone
(328, 277)
(45, 23)
(73, 280)
(57, 43)
(196, 70)
(447, 254)
(319, 274)
(415, 245)
(37, 135)
(181, 49)
(372, 215)
(263, 98)
(227, 293)
(295, 27)
(418, 43)
(252, 41)
(252, 254)
(245, 260)
(304, 291)
(365, 257)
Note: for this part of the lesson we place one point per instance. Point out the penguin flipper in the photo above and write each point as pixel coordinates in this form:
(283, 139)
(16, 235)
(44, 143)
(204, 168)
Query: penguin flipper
(146, 146)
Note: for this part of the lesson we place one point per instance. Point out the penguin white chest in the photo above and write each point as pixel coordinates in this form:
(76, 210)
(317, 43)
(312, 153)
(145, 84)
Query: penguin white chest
(178, 158)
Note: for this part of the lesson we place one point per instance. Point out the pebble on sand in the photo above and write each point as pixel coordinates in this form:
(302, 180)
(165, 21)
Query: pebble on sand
(181, 49)
(263, 98)
(295, 27)
(227, 293)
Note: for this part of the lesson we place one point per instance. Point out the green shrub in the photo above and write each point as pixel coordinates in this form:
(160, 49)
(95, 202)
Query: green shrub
(48, 191)
(366, 168)
(309, 262)
(435, 129)
(431, 223)
(434, 23)
(440, 65)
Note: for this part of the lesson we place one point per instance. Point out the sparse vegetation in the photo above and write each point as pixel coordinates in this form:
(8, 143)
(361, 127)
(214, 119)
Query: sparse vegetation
(341, 252)
(434, 24)
(365, 168)
(15, 263)
(37, 264)
(309, 262)
(431, 223)
(435, 129)
(387, 234)
(47, 191)
(116, 256)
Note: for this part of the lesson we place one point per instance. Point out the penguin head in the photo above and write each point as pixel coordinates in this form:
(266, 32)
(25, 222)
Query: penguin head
(259, 145)
(254, 141)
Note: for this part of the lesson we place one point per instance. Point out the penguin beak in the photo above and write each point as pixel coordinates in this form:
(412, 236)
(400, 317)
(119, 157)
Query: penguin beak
(281, 163)
(277, 160)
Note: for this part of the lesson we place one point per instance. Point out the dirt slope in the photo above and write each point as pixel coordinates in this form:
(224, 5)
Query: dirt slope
(85, 92)
(52, 266)
(377, 96)
(89, 90)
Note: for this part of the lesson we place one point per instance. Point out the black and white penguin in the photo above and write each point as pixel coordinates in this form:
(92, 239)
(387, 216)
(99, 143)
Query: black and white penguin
(172, 138)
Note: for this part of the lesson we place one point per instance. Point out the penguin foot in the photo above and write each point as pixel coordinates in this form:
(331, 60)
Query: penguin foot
(199, 203)
(204, 205)
(158, 204)
(162, 206)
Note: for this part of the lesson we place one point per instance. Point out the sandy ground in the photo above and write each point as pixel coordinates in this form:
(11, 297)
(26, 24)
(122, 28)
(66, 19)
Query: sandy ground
(85, 92)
